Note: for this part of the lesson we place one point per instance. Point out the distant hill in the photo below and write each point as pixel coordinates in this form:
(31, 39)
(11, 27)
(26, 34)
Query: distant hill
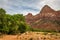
(47, 18)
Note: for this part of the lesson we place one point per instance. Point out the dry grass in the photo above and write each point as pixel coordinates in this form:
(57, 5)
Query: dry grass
(32, 36)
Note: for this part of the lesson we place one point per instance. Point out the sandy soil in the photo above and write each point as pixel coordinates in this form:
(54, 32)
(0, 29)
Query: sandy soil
(32, 36)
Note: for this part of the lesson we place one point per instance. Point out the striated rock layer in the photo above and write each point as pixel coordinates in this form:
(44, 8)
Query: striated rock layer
(47, 18)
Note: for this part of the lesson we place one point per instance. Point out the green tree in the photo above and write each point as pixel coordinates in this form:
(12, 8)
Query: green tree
(12, 24)
(2, 19)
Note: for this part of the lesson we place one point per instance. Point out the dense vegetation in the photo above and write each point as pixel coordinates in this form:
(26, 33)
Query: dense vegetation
(12, 24)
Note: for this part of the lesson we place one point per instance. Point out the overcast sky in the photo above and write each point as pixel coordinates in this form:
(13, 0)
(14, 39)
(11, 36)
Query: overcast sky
(26, 6)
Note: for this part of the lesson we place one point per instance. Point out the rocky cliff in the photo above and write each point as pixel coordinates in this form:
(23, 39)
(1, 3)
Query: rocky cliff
(47, 18)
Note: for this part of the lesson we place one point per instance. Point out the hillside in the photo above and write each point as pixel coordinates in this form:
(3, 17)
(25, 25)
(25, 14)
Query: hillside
(47, 18)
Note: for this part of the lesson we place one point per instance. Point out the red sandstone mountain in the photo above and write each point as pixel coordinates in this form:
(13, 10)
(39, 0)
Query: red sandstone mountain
(29, 18)
(47, 9)
(48, 13)
(46, 19)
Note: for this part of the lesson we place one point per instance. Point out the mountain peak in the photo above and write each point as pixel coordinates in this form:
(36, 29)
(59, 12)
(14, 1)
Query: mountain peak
(46, 9)
(45, 19)
(29, 14)
(46, 6)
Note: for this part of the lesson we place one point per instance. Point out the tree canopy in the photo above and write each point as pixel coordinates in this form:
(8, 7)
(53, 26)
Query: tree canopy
(12, 24)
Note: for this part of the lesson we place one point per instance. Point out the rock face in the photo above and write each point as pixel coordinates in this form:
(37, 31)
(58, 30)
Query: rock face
(29, 18)
(46, 19)
(47, 9)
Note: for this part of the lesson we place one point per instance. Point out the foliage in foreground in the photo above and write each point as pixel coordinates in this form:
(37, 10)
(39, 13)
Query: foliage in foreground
(12, 24)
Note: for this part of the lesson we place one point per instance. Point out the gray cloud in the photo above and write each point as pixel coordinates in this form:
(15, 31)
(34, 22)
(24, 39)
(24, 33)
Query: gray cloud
(25, 6)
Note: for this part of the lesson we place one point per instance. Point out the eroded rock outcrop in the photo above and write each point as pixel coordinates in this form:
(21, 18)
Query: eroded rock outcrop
(39, 20)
